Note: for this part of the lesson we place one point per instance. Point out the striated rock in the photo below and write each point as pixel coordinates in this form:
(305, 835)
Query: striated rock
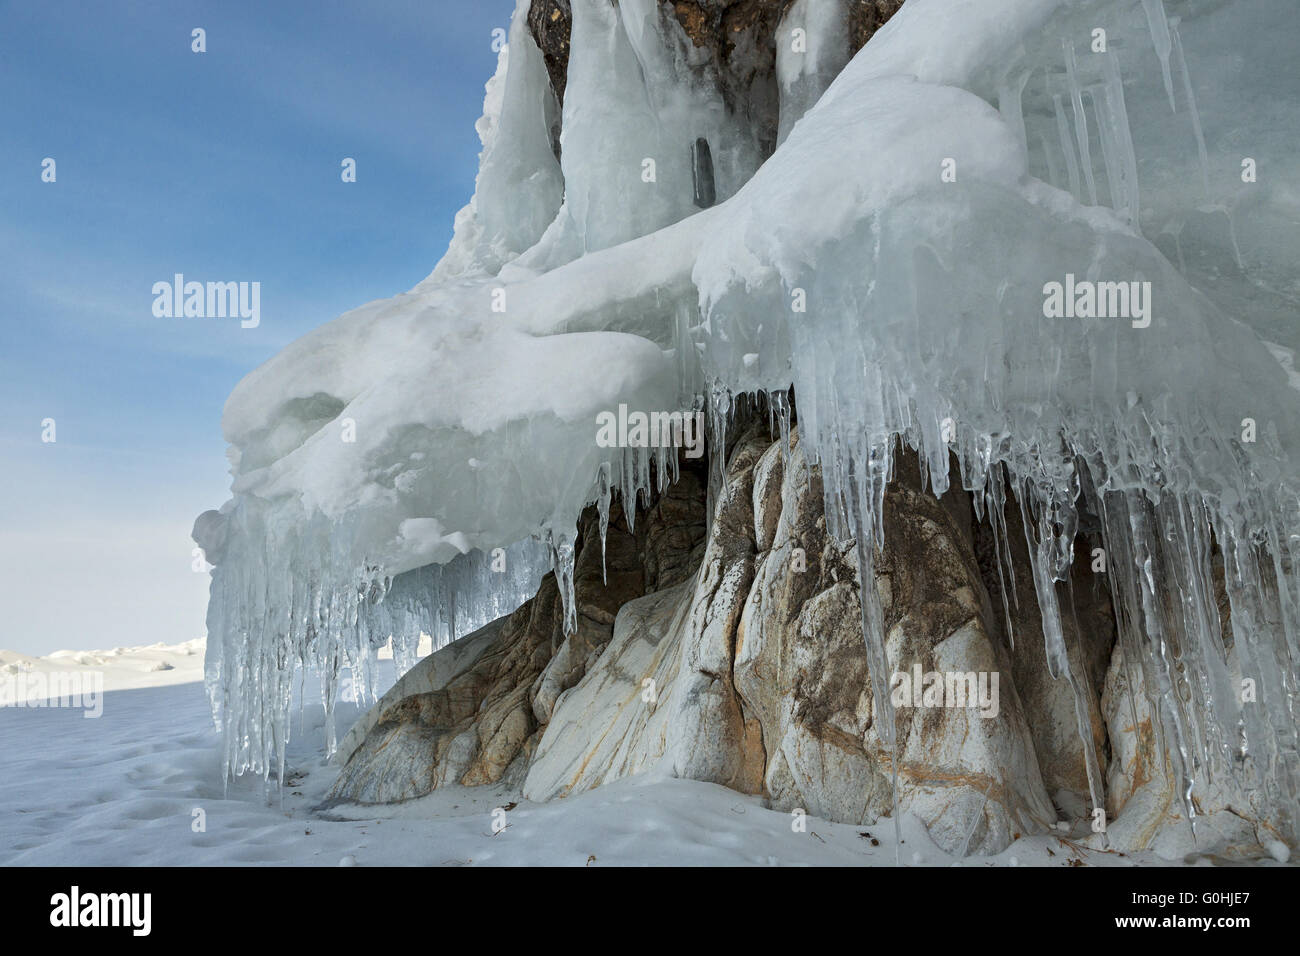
(737, 658)
(801, 665)
(471, 713)
(663, 687)
(756, 678)
(392, 752)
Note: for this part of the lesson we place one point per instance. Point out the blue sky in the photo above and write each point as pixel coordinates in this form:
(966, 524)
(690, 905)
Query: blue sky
(222, 166)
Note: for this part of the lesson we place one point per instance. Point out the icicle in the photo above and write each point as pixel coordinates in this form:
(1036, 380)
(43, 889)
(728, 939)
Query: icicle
(627, 473)
(718, 411)
(1161, 651)
(1010, 91)
(266, 626)
(1067, 147)
(1191, 108)
(1043, 560)
(1117, 132)
(780, 405)
(1271, 733)
(866, 515)
(1155, 11)
(643, 475)
(1053, 169)
(1002, 551)
(602, 508)
(563, 559)
(1080, 120)
(1114, 178)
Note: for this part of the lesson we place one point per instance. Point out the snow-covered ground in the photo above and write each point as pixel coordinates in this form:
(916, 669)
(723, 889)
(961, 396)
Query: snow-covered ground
(141, 785)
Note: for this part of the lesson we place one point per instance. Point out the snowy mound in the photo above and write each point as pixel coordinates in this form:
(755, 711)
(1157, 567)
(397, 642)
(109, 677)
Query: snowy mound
(1056, 240)
(122, 668)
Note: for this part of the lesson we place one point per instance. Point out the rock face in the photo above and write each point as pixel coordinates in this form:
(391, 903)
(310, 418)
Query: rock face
(756, 677)
(738, 37)
(472, 712)
(551, 23)
(736, 657)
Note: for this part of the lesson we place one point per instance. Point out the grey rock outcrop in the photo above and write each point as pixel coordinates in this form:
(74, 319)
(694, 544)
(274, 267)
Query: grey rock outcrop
(737, 660)
(472, 713)
(757, 676)
(736, 657)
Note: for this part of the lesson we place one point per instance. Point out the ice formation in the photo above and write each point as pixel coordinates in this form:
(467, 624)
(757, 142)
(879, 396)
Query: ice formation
(891, 262)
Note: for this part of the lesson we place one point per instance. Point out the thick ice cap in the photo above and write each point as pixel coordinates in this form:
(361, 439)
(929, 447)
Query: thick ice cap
(434, 425)
(867, 144)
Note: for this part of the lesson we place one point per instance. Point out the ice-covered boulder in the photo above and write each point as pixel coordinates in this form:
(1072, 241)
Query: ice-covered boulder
(1051, 251)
